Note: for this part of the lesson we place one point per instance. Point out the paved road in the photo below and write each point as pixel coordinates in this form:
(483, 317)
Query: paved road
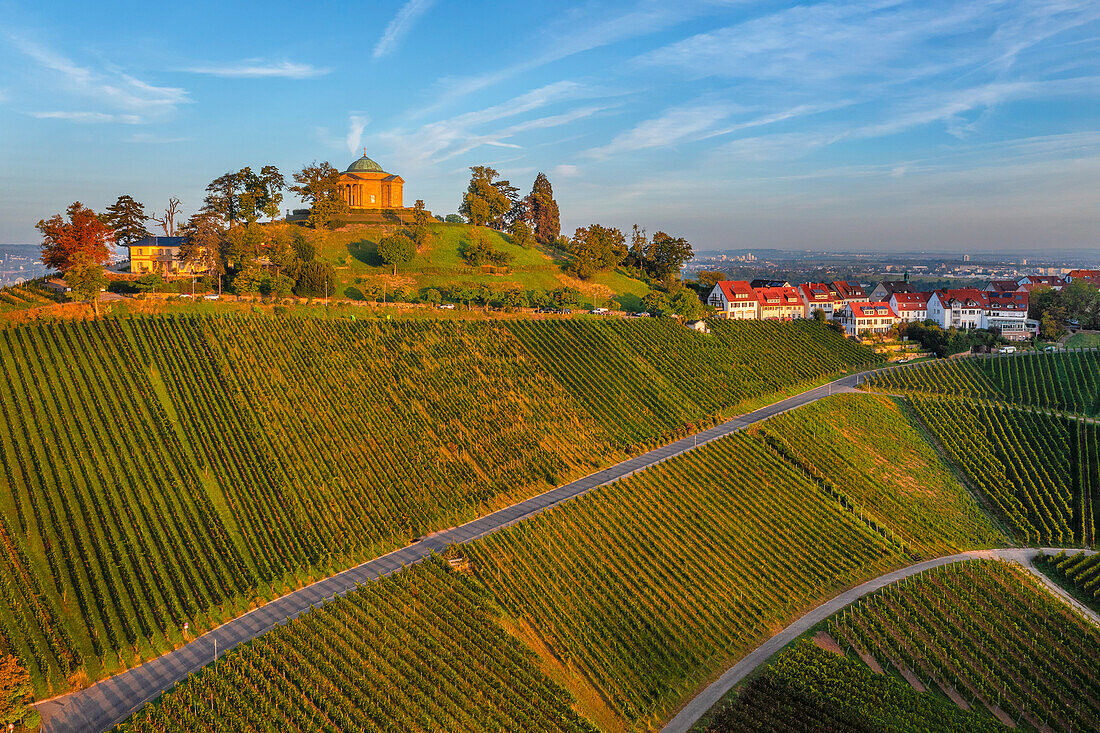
(101, 706)
(706, 699)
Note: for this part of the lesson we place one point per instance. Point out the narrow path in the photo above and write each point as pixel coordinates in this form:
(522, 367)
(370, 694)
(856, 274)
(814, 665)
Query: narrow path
(108, 702)
(705, 700)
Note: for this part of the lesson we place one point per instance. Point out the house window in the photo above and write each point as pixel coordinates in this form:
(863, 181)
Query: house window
(372, 198)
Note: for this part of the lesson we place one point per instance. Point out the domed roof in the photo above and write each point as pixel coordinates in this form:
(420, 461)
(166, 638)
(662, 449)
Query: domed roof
(365, 165)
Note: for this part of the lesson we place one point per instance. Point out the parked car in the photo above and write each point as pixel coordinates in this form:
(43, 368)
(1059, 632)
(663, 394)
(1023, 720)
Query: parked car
(1008, 350)
(210, 296)
(599, 311)
(547, 310)
(447, 306)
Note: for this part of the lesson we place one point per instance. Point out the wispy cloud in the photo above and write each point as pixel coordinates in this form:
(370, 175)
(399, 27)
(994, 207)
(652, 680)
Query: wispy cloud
(260, 69)
(356, 124)
(400, 26)
(125, 98)
(675, 125)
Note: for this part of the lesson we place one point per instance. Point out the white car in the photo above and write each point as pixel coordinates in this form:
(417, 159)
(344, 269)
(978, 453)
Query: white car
(448, 306)
(599, 311)
(210, 296)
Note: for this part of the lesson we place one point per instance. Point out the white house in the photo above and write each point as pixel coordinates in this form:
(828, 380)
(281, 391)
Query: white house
(779, 303)
(1008, 312)
(911, 307)
(861, 318)
(848, 292)
(817, 296)
(734, 299)
(958, 308)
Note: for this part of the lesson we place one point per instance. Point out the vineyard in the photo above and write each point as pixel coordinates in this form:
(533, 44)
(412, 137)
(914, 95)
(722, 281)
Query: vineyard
(985, 633)
(1068, 381)
(30, 294)
(1078, 572)
(652, 584)
(655, 377)
(1039, 472)
(163, 472)
(419, 651)
(807, 688)
(866, 449)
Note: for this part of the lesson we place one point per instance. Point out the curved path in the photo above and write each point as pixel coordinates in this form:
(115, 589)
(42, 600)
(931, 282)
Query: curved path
(108, 702)
(705, 700)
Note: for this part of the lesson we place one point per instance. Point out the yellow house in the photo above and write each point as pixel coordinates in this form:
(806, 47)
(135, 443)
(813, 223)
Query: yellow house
(159, 254)
(366, 186)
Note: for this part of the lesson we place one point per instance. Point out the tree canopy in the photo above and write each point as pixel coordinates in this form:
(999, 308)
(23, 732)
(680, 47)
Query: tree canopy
(126, 218)
(396, 249)
(543, 211)
(596, 248)
(662, 257)
(204, 244)
(484, 203)
(82, 239)
(319, 187)
(246, 196)
(15, 688)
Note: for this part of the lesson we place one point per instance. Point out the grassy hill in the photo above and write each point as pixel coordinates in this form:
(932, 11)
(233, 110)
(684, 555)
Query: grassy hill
(353, 252)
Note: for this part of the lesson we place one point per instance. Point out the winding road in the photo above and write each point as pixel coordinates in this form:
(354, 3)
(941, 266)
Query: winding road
(108, 702)
(705, 700)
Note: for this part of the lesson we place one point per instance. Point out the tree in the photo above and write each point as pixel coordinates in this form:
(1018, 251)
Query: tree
(168, 220)
(707, 280)
(15, 688)
(433, 296)
(314, 280)
(515, 208)
(244, 245)
(685, 303)
(480, 251)
(818, 315)
(277, 285)
(1081, 301)
(514, 298)
(82, 239)
(150, 282)
(543, 210)
(396, 249)
(126, 218)
(86, 279)
(565, 297)
(319, 187)
(454, 219)
(1050, 327)
(484, 203)
(421, 230)
(596, 248)
(521, 233)
(223, 197)
(668, 255)
(638, 255)
(248, 282)
(656, 303)
(204, 244)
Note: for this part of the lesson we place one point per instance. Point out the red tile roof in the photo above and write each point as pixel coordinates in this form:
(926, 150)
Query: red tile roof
(787, 296)
(816, 293)
(1084, 274)
(737, 290)
(911, 301)
(1008, 301)
(847, 289)
(967, 297)
(872, 310)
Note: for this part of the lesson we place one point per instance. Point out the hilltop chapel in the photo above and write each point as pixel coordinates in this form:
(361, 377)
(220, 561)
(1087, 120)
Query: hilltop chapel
(366, 186)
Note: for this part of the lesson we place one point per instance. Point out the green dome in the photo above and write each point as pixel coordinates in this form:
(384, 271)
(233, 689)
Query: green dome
(364, 165)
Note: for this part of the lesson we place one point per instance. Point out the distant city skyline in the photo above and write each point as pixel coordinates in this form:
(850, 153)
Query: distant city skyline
(877, 125)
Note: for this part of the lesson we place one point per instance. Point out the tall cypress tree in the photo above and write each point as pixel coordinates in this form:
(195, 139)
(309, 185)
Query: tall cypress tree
(544, 210)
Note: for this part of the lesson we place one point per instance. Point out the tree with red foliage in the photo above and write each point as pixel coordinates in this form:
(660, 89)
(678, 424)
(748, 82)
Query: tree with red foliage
(78, 248)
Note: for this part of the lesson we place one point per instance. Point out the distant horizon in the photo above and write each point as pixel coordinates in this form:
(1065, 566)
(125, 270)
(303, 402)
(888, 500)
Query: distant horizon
(865, 127)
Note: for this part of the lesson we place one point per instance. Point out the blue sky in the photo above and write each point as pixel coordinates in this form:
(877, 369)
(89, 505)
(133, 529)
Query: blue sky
(949, 126)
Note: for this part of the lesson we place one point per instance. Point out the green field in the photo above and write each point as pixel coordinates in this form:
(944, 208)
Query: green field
(1079, 573)
(809, 689)
(167, 471)
(352, 250)
(869, 450)
(987, 632)
(420, 651)
(1037, 471)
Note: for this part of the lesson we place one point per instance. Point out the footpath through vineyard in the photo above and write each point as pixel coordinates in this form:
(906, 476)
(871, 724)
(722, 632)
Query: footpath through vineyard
(704, 701)
(106, 703)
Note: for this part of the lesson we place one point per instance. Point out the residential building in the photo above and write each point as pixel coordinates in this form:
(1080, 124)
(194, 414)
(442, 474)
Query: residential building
(862, 318)
(1050, 281)
(886, 288)
(1083, 275)
(817, 296)
(958, 308)
(1008, 312)
(910, 307)
(763, 283)
(1001, 286)
(779, 303)
(734, 299)
(159, 254)
(848, 292)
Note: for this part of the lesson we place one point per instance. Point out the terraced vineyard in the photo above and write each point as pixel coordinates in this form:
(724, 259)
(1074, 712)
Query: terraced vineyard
(646, 380)
(986, 632)
(1079, 573)
(170, 471)
(1038, 471)
(809, 689)
(1067, 381)
(418, 651)
(867, 449)
(652, 584)
(27, 295)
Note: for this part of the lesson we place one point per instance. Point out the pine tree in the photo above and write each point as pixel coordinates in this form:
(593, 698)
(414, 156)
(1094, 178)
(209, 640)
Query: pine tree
(126, 218)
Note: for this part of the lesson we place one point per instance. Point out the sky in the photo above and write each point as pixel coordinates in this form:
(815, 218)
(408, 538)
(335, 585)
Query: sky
(950, 126)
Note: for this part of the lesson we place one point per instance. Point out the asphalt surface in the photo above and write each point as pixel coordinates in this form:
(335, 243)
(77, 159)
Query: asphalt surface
(706, 699)
(110, 701)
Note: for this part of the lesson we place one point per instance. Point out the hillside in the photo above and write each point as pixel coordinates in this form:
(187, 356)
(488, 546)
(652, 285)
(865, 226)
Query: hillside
(172, 471)
(353, 252)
